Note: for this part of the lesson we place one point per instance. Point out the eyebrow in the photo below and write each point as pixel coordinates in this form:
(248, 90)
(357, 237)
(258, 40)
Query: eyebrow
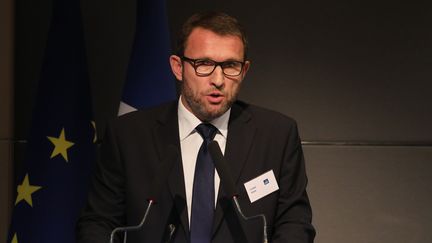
(227, 60)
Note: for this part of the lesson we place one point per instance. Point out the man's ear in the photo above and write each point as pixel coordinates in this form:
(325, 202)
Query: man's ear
(245, 68)
(176, 66)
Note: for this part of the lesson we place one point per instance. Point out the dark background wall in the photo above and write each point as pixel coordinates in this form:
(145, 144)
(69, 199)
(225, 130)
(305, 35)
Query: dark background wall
(355, 75)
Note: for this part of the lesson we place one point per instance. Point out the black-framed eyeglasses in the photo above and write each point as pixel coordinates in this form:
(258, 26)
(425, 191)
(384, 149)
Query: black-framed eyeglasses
(205, 67)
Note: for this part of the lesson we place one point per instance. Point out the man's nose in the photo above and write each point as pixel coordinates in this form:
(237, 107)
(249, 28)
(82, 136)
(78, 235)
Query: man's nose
(218, 77)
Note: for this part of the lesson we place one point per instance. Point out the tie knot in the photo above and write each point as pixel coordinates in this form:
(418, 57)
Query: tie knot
(207, 131)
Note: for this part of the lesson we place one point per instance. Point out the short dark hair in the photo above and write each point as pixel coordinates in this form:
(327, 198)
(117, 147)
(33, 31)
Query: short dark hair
(217, 22)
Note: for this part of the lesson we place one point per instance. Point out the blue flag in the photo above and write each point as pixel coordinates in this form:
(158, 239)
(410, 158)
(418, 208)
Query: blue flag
(149, 80)
(52, 187)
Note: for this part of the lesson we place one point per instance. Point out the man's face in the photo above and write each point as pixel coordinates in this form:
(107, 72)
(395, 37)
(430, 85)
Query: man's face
(211, 96)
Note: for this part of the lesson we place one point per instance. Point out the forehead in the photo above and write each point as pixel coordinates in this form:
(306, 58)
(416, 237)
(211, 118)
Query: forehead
(203, 43)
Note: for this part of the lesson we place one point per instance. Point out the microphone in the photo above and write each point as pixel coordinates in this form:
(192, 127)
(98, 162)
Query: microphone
(171, 228)
(154, 195)
(228, 183)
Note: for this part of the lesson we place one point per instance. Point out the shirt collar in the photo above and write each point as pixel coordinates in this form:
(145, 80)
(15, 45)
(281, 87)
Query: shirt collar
(188, 122)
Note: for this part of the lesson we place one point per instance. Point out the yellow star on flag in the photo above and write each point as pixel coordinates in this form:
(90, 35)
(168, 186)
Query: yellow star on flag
(25, 191)
(61, 145)
(14, 239)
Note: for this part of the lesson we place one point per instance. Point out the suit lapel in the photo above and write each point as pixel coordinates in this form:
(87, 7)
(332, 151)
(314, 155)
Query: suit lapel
(241, 132)
(166, 133)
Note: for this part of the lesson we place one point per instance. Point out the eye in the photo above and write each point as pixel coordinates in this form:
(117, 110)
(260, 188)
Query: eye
(231, 64)
(204, 63)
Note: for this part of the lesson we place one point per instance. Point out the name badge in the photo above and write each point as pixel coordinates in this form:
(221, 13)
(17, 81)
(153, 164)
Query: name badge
(261, 186)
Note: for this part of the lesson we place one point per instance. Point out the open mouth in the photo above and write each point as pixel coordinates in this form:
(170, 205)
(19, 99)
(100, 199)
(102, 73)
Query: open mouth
(215, 97)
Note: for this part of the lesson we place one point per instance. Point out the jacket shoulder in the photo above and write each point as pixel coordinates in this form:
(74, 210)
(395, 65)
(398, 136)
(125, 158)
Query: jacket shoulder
(147, 115)
(266, 117)
(143, 119)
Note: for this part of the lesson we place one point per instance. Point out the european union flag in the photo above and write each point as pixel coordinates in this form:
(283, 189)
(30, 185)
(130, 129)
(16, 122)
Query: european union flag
(149, 80)
(61, 149)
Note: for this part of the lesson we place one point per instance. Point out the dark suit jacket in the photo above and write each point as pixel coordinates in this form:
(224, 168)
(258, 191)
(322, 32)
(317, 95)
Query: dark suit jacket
(135, 144)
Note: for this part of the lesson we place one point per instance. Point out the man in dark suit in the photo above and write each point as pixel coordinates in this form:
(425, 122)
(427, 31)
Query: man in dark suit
(262, 149)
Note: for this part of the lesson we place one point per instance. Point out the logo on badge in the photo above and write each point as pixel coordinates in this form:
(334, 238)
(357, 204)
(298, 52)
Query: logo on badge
(266, 181)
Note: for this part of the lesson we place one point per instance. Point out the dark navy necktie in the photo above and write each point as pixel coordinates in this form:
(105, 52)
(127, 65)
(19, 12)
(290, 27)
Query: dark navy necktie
(203, 189)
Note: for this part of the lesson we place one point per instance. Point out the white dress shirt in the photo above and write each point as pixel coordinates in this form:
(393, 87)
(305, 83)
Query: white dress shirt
(190, 143)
